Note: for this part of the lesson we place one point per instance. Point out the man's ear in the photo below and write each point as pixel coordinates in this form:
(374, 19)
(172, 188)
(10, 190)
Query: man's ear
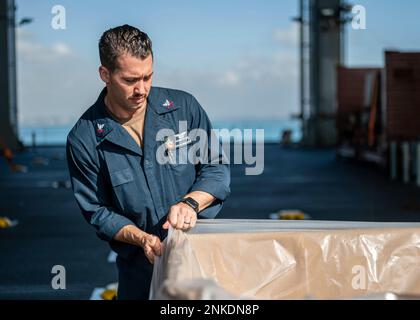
(104, 74)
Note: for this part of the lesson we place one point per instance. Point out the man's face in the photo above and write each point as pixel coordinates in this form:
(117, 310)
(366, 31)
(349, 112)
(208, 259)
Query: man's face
(129, 84)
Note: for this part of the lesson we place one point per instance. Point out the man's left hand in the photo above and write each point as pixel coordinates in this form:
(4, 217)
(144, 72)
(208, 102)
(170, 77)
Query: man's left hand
(181, 216)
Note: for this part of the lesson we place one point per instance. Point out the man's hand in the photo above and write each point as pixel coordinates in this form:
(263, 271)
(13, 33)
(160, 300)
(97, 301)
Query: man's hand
(150, 243)
(152, 246)
(181, 216)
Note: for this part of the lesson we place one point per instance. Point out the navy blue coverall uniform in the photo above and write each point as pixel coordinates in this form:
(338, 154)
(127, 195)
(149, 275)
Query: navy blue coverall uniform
(118, 183)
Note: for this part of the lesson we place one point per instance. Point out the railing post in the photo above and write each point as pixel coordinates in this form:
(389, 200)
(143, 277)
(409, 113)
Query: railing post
(406, 162)
(393, 162)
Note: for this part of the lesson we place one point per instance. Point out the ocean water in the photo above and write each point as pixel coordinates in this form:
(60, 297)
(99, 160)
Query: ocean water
(273, 129)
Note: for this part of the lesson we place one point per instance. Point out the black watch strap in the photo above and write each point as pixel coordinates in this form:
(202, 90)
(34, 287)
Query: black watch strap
(192, 203)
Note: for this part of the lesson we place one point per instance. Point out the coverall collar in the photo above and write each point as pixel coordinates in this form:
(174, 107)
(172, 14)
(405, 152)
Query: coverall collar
(106, 128)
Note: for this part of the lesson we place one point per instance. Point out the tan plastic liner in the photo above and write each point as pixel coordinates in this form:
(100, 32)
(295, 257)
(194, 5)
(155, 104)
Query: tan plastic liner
(258, 259)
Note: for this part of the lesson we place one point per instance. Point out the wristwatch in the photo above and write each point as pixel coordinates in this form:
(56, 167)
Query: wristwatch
(191, 202)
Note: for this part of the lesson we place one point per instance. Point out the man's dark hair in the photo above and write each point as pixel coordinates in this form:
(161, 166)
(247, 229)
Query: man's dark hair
(120, 40)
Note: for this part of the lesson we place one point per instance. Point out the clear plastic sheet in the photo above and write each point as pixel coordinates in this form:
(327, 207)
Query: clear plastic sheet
(251, 259)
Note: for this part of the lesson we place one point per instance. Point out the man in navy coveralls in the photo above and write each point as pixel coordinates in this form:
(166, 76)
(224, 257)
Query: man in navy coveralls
(121, 185)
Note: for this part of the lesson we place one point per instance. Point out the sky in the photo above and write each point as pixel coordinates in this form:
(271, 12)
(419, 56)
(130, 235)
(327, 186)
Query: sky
(239, 58)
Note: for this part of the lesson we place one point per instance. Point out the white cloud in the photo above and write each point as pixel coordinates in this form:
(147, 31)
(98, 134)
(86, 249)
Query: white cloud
(32, 51)
(287, 37)
(24, 34)
(255, 87)
(230, 78)
(54, 84)
(61, 49)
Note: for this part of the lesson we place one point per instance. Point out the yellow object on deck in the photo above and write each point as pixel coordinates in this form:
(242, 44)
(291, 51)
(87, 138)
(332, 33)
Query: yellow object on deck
(290, 215)
(109, 294)
(5, 223)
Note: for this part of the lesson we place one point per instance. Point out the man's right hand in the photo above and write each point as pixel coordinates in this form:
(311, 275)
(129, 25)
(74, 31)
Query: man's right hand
(150, 243)
(152, 246)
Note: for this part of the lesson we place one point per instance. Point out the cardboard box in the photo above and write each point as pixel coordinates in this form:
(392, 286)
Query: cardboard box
(251, 259)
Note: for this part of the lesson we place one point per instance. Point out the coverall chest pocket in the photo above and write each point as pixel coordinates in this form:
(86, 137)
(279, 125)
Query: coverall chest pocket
(124, 188)
(181, 164)
(178, 156)
(181, 169)
(121, 177)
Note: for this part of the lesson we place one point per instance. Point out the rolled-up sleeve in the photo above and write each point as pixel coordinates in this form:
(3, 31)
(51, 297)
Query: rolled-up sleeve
(213, 175)
(90, 191)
